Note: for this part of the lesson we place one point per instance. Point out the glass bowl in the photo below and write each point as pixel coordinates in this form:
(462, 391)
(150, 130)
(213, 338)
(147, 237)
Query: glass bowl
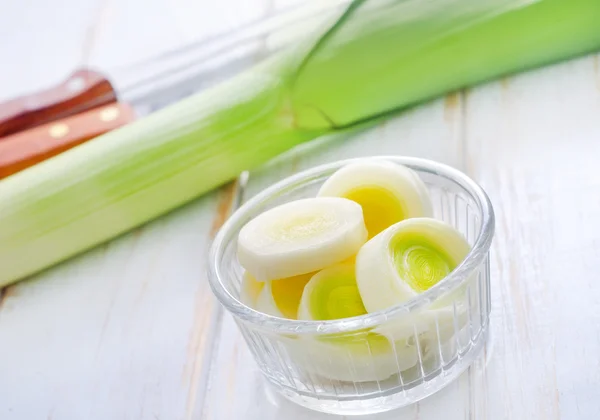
(382, 360)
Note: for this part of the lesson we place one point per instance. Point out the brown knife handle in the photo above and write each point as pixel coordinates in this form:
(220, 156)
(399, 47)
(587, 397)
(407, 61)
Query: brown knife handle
(22, 150)
(82, 91)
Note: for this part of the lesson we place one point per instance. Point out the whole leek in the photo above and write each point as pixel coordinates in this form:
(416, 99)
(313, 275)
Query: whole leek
(379, 57)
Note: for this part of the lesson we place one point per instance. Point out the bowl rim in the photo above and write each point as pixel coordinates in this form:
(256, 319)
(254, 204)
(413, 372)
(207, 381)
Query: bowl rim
(474, 259)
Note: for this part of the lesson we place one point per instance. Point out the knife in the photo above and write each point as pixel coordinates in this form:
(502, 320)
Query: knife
(38, 126)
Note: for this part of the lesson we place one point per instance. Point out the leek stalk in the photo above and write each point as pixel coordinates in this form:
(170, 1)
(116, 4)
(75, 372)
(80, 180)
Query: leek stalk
(378, 58)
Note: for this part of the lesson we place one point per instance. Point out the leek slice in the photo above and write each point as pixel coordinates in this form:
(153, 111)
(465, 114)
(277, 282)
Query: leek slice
(300, 237)
(282, 297)
(332, 294)
(387, 192)
(250, 289)
(407, 259)
(358, 356)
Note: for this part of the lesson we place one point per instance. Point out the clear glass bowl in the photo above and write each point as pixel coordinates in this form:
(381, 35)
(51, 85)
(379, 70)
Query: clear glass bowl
(382, 360)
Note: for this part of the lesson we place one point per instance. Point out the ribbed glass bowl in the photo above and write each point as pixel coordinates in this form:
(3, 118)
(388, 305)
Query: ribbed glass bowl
(382, 360)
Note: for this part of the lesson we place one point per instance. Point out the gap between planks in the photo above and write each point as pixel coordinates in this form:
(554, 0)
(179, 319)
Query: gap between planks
(455, 114)
(231, 197)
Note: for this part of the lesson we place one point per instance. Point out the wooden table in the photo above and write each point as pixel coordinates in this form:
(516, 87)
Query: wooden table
(130, 330)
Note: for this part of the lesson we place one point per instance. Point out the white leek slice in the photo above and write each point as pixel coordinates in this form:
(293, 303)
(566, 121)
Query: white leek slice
(332, 293)
(250, 289)
(407, 259)
(359, 356)
(281, 297)
(300, 237)
(387, 192)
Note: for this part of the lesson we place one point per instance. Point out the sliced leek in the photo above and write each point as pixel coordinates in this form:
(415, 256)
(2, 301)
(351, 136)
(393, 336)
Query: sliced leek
(359, 356)
(300, 237)
(377, 58)
(332, 293)
(387, 192)
(407, 259)
(250, 289)
(282, 297)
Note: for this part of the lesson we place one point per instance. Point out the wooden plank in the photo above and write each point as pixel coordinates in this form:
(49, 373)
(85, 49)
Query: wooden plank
(130, 330)
(534, 143)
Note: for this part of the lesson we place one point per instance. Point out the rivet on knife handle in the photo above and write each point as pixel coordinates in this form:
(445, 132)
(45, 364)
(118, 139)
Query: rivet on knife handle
(82, 91)
(22, 150)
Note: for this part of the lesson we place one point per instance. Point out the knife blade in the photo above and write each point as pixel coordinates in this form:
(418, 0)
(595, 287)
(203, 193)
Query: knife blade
(160, 80)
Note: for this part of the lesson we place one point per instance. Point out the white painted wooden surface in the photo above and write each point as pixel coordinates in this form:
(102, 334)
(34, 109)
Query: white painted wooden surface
(130, 330)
